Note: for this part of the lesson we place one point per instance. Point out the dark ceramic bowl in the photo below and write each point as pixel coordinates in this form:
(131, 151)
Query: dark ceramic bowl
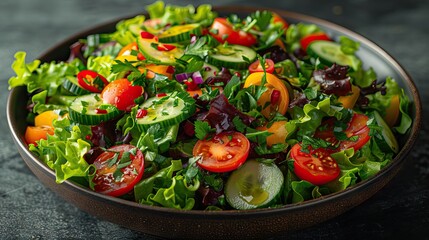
(171, 223)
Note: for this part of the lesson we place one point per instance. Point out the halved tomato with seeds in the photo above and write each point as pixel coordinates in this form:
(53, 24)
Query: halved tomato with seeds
(222, 153)
(118, 169)
(317, 166)
(357, 133)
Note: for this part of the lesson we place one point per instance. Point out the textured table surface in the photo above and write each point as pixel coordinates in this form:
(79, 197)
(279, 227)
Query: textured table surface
(28, 210)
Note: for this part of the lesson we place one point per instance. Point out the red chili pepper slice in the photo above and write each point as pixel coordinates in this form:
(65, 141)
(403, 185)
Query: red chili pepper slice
(100, 111)
(140, 56)
(141, 113)
(87, 79)
(165, 47)
(146, 35)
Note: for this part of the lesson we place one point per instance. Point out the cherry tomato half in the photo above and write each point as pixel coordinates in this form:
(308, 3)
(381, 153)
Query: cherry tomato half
(305, 41)
(118, 170)
(223, 31)
(257, 67)
(91, 81)
(357, 127)
(121, 93)
(316, 167)
(222, 153)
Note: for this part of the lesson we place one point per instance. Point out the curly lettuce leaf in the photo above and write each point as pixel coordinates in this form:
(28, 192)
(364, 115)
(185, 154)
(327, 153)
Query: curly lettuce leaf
(63, 152)
(348, 46)
(309, 118)
(157, 138)
(172, 14)
(381, 102)
(295, 32)
(23, 70)
(102, 65)
(405, 120)
(164, 189)
(44, 103)
(124, 34)
(48, 76)
(347, 178)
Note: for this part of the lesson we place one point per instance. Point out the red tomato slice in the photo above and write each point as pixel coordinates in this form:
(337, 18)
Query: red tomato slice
(121, 93)
(357, 127)
(223, 31)
(223, 153)
(316, 167)
(257, 67)
(87, 80)
(113, 176)
(305, 41)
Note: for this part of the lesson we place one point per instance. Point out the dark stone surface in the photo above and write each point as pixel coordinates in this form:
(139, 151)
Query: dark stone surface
(28, 210)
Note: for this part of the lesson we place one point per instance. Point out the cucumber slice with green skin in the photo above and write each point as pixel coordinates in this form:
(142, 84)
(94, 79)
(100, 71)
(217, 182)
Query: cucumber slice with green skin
(180, 33)
(232, 56)
(90, 110)
(330, 52)
(387, 140)
(209, 71)
(148, 47)
(171, 109)
(254, 185)
(71, 85)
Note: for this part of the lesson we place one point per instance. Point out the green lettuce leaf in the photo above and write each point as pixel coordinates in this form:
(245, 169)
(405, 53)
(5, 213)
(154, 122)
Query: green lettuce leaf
(162, 189)
(348, 46)
(172, 14)
(295, 32)
(58, 102)
(405, 120)
(347, 178)
(124, 34)
(48, 76)
(301, 191)
(381, 102)
(22, 70)
(309, 118)
(102, 66)
(63, 152)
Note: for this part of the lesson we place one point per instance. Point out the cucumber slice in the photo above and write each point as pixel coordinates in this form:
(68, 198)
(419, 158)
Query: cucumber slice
(180, 33)
(86, 110)
(149, 50)
(209, 71)
(387, 140)
(330, 52)
(168, 110)
(254, 185)
(70, 84)
(232, 56)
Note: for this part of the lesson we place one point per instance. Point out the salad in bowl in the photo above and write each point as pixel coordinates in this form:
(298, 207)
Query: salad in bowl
(190, 110)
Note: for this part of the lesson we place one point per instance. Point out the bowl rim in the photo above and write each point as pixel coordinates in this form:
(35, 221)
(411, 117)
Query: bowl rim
(398, 160)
